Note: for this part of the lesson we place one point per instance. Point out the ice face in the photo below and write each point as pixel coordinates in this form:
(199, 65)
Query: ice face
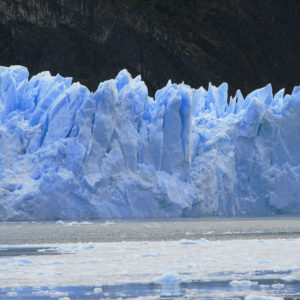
(67, 153)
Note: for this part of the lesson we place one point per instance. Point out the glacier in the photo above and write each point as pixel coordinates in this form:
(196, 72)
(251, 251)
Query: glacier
(68, 153)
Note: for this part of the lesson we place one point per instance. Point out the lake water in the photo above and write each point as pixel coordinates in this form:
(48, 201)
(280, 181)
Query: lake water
(152, 230)
(205, 258)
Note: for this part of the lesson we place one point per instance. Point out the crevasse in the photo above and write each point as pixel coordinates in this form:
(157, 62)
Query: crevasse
(68, 153)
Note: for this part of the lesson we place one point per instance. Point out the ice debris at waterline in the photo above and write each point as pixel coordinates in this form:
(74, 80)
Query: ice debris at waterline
(67, 153)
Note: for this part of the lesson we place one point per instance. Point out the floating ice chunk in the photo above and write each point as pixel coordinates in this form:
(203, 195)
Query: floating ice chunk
(12, 294)
(168, 279)
(264, 286)
(151, 255)
(170, 284)
(209, 233)
(192, 242)
(97, 290)
(277, 286)
(187, 242)
(242, 283)
(16, 262)
(259, 297)
(203, 240)
(289, 278)
(88, 246)
(60, 222)
(75, 249)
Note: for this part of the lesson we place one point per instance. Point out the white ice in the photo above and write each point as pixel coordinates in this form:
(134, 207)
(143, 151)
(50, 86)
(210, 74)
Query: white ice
(240, 263)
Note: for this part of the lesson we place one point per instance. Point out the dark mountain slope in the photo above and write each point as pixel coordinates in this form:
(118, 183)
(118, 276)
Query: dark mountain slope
(246, 43)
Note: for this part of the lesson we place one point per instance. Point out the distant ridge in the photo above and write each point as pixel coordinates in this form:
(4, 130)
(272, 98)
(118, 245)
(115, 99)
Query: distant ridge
(245, 43)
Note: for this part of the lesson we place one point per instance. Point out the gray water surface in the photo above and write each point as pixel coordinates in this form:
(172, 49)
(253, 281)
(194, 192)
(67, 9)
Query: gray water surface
(12, 233)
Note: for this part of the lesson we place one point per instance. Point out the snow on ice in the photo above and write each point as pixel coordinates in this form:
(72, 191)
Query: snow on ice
(67, 153)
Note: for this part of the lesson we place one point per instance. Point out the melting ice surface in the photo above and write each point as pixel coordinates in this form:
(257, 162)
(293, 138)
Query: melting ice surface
(68, 153)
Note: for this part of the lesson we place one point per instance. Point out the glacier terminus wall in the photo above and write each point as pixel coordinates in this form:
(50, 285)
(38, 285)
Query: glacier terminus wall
(67, 153)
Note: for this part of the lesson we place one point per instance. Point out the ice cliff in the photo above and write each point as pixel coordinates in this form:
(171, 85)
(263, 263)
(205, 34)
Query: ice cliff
(68, 153)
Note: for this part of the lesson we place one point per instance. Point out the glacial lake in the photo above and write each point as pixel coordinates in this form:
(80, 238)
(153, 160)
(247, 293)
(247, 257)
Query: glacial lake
(14, 233)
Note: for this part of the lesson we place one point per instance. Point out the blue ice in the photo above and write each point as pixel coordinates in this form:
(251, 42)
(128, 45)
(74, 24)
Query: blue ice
(68, 153)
